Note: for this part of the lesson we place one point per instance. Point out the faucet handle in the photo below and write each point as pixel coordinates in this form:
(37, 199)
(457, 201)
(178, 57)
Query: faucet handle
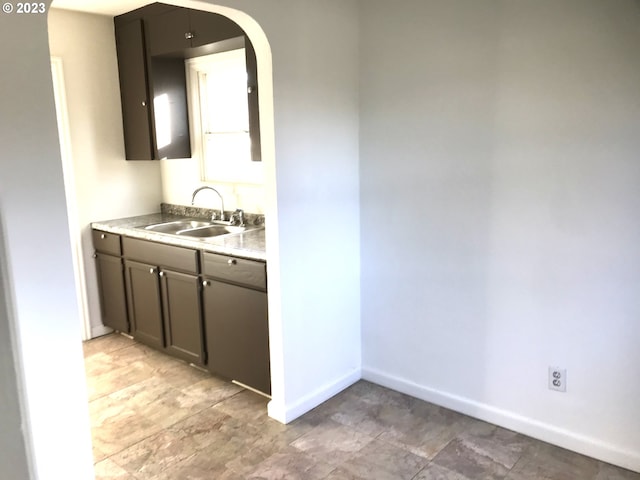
(237, 217)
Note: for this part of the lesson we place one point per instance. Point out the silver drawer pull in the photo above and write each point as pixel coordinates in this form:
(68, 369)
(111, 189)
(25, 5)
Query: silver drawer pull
(232, 261)
(103, 236)
(152, 270)
(206, 283)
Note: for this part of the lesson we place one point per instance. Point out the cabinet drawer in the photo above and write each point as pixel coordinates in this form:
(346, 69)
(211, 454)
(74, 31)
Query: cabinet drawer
(235, 270)
(177, 258)
(106, 242)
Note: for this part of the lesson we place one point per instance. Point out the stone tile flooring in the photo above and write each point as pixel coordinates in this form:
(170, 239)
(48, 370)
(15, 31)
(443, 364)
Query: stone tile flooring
(154, 417)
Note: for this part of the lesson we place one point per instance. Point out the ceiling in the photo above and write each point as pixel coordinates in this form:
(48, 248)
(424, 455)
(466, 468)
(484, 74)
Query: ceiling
(103, 7)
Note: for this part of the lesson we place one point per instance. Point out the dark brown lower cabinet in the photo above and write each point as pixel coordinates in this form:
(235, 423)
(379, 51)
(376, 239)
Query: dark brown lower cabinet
(164, 307)
(182, 318)
(203, 307)
(145, 307)
(237, 332)
(164, 297)
(113, 302)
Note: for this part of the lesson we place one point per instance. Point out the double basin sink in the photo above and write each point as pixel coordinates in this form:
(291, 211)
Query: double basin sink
(192, 228)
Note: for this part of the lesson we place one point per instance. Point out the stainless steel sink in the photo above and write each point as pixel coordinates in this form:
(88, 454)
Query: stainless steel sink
(177, 226)
(210, 231)
(194, 228)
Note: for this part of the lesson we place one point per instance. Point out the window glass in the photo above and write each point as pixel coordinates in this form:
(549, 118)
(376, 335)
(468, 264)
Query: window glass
(220, 117)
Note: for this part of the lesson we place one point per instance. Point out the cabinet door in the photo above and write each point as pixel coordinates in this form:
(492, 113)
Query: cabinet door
(145, 311)
(171, 112)
(208, 27)
(166, 33)
(182, 318)
(252, 97)
(113, 303)
(237, 334)
(136, 116)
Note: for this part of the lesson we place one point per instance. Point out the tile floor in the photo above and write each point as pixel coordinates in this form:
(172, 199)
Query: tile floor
(154, 417)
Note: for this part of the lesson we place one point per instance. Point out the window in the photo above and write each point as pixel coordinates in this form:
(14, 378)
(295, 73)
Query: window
(219, 112)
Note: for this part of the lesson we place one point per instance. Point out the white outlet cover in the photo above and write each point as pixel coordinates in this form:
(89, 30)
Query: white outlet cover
(558, 379)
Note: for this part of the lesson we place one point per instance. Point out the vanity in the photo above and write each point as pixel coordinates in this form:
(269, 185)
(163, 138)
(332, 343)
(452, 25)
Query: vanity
(189, 288)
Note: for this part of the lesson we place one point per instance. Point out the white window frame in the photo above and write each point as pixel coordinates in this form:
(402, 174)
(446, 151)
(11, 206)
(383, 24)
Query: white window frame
(240, 172)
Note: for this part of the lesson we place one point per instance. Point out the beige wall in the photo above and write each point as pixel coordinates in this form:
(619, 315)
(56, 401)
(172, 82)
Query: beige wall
(106, 186)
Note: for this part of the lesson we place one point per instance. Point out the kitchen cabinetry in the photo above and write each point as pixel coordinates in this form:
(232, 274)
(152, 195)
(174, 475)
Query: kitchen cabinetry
(203, 307)
(175, 31)
(164, 297)
(152, 92)
(152, 43)
(170, 111)
(236, 319)
(252, 92)
(111, 286)
(182, 318)
(143, 290)
(134, 93)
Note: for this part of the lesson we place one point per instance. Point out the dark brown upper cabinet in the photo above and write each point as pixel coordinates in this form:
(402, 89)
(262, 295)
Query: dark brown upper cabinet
(134, 91)
(168, 83)
(252, 92)
(176, 31)
(152, 43)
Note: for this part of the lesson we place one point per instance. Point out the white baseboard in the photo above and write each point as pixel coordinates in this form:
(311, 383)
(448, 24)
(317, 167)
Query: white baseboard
(100, 330)
(533, 428)
(287, 413)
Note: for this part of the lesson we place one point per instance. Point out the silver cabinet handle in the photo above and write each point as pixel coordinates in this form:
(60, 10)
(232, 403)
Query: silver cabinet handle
(152, 270)
(144, 104)
(189, 35)
(103, 236)
(162, 274)
(232, 261)
(206, 283)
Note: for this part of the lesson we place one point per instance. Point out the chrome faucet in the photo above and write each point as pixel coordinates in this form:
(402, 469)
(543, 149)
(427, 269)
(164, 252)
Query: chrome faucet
(213, 217)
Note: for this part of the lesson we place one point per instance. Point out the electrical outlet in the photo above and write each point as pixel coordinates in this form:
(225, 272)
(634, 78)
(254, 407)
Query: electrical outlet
(558, 379)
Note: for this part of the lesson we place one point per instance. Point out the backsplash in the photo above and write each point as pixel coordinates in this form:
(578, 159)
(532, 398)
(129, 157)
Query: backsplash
(199, 212)
(181, 177)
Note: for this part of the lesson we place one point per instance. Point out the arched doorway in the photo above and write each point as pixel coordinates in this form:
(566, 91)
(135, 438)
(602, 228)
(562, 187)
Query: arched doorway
(263, 52)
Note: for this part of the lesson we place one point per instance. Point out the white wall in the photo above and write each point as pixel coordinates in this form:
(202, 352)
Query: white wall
(314, 299)
(106, 185)
(313, 216)
(14, 460)
(180, 177)
(313, 273)
(499, 150)
(36, 248)
(501, 166)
